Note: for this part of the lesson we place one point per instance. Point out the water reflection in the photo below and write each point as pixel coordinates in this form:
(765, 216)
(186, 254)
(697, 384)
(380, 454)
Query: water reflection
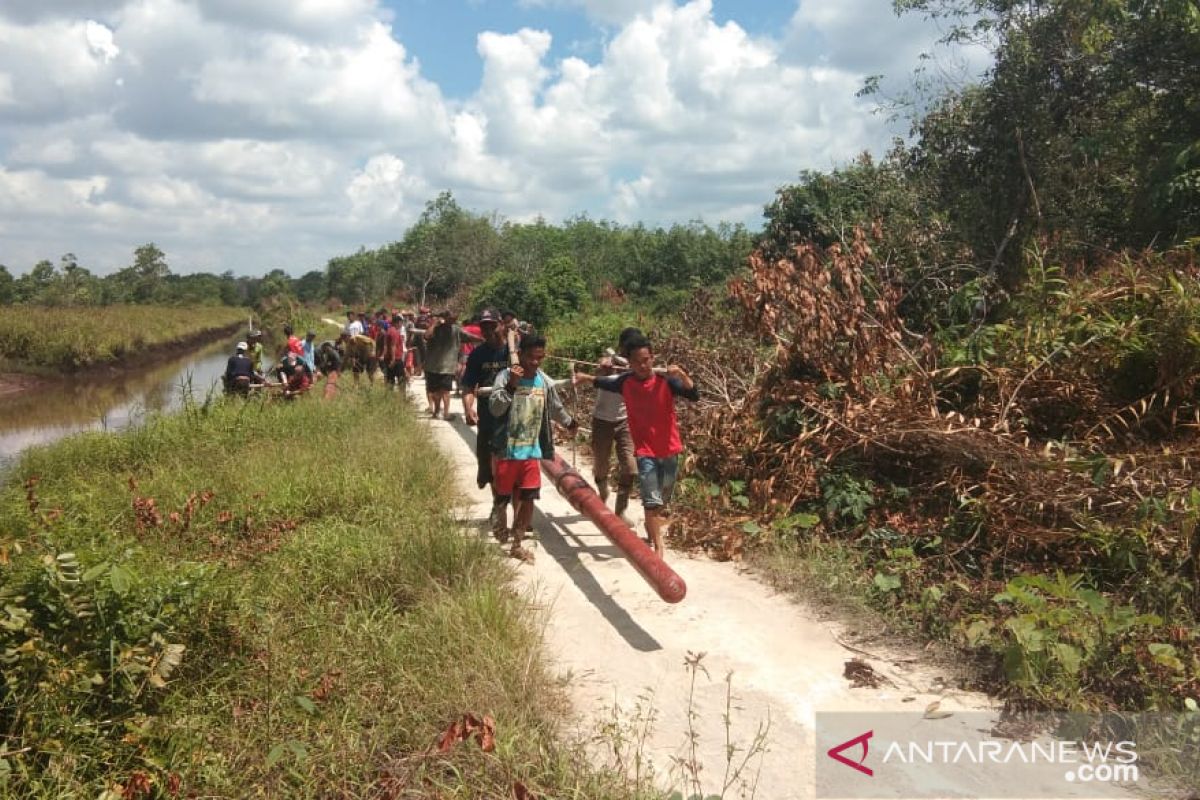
(60, 408)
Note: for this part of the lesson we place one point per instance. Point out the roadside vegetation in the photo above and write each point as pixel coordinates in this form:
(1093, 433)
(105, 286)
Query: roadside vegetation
(965, 387)
(960, 382)
(260, 598)
(33, 337)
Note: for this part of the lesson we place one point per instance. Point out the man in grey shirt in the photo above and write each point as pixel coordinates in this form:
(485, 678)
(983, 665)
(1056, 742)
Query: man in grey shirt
(443, 341)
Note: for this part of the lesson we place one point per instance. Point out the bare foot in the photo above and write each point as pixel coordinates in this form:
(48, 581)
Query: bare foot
(520, 552)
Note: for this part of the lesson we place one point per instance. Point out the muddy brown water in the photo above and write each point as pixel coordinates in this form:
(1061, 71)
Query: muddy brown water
(60, 407)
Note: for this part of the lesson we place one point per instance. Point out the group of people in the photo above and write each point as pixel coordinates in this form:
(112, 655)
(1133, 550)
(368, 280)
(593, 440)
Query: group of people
(298, 366)
(509, 398)
(513, 402)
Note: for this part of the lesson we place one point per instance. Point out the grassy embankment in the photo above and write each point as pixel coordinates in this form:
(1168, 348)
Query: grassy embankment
(34, 338)
(259, 599)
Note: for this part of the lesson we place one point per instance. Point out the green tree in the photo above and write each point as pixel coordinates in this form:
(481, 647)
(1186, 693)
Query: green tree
(37, 285)
(446, 249)
(507, 291)
(1084, 134)
(275, 285)
(360, 278)
(7, 286)
(144, 281)
(311, 287)
(75, 284)
(562, 286)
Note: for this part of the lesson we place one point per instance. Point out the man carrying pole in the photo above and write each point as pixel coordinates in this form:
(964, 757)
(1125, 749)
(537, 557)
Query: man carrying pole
(483, 365)
(650, 404)
(523, 401)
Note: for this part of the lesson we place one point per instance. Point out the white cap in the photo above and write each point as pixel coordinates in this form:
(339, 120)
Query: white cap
(242, 346)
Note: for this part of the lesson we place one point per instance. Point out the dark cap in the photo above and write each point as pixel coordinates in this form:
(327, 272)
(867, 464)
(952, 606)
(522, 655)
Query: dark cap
(487, 315)
(310, 335)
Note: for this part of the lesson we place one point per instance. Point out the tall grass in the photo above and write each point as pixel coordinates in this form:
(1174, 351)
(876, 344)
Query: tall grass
(335, 618)
(57, 338)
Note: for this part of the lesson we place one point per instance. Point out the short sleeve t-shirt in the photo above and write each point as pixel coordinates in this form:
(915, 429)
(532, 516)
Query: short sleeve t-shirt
(484, 364)
(395, 341)
(441, 351)
(525, 419)
(650, 405)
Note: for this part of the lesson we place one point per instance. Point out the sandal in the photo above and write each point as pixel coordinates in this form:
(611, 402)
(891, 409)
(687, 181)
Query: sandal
(502, 535)
(521, 553)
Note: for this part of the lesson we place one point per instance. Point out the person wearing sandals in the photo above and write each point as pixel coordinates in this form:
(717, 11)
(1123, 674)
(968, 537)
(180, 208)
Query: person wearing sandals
(524, 401)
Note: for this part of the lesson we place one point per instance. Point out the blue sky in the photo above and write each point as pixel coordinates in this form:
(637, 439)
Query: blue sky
(442, 33)
(281, 133)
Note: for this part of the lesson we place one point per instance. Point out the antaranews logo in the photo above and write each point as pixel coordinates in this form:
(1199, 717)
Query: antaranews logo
(891, 755)
(862, 740)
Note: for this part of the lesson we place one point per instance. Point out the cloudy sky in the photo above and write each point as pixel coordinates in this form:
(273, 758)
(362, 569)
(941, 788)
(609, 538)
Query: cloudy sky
(255, 134)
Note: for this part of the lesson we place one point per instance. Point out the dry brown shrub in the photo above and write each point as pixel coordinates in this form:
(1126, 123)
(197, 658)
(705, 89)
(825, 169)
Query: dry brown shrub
(842, 381)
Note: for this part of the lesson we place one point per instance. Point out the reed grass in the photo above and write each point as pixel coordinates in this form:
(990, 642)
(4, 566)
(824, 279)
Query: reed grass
(63, 338)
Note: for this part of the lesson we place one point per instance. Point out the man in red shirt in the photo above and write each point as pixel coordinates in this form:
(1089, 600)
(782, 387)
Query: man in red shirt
(650, 405)
(395, 353)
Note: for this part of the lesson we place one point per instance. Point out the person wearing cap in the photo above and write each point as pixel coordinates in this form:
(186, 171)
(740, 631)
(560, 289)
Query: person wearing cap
(487, 360)
(610, 431)
(308, 351)
(240, 372)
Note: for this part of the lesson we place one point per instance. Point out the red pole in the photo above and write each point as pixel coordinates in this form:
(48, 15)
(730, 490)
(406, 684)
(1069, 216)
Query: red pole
(583, 498)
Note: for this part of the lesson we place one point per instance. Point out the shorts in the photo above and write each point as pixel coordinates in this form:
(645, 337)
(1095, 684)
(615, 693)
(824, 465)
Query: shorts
(656, 478)
(511, 475)
(395, 373)
(438, 382)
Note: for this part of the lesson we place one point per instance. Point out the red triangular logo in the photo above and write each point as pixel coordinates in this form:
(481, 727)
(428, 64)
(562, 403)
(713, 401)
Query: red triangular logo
(836, 752)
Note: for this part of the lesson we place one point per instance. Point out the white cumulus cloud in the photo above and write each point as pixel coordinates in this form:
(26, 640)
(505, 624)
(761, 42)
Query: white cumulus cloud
(247, 136)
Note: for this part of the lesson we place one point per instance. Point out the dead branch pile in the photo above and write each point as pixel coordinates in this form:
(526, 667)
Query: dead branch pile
(1076, 413)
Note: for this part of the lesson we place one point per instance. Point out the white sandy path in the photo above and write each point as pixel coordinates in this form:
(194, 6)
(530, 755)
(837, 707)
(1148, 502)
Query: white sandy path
(608, 630)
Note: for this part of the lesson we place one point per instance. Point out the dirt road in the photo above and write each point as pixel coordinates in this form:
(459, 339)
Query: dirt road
(625, 649)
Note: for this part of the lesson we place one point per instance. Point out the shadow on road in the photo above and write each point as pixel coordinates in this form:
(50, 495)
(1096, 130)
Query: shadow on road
(553, 535)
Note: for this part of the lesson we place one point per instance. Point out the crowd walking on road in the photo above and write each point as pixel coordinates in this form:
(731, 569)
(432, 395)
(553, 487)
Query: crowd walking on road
(495, 362)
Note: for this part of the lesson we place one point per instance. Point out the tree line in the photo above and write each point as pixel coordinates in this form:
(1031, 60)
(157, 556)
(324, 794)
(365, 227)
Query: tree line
(540, 270)
(1082, 140)
(148, 280)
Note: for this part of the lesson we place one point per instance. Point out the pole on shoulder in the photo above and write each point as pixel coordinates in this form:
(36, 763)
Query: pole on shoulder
(579, 493)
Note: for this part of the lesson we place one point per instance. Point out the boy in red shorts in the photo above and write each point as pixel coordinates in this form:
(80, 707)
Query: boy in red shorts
(523, 401)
